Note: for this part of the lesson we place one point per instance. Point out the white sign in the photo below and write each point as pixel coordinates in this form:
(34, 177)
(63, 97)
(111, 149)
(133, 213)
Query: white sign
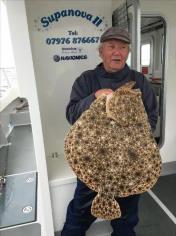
(64, 39)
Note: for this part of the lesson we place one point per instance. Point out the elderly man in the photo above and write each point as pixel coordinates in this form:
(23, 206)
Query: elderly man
(112, 73)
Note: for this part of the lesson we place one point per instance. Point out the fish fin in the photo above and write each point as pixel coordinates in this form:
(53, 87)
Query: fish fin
(105, 207)
(129, 85)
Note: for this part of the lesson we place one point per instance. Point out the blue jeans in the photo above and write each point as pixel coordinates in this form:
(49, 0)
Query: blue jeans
(79, 218)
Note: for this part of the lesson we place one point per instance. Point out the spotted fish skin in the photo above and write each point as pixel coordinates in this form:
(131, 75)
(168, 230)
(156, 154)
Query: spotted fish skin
(110, 209)
(112, 150)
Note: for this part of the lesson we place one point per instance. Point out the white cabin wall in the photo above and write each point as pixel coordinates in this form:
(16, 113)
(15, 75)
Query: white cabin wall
(166, 9)
(117, 3)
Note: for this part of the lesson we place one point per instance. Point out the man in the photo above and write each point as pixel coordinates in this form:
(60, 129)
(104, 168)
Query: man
(112, 73)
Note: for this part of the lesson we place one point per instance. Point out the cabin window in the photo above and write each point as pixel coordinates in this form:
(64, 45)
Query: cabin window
(145, 54)
(129, 59)
(162, 48)
(153, 40)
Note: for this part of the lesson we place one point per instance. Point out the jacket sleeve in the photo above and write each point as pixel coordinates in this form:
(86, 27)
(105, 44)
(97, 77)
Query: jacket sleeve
(80, 99)
(150, 103)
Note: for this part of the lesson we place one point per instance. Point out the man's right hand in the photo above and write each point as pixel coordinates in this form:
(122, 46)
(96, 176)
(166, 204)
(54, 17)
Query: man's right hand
(100, 92)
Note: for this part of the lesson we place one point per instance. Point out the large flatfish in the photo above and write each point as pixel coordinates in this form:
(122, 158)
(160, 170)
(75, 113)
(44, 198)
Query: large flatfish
(112, 150)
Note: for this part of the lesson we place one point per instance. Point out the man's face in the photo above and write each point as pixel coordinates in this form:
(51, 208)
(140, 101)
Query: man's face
(114, 54)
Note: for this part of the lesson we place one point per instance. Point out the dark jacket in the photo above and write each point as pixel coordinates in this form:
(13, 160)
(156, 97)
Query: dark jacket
(85, 86)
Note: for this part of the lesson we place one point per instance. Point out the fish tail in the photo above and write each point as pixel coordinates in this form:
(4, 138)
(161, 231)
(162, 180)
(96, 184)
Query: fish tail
(105, 207)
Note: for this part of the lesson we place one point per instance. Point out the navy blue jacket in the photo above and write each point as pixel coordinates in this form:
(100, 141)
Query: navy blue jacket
(85, 86)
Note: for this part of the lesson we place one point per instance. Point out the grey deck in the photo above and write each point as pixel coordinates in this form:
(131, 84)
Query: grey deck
(21, 156)
(23, 230)
(153, 220)
(18, 200)
(166, 191)
(17, 164)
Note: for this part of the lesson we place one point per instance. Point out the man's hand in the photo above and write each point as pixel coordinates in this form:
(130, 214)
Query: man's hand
(100, 92)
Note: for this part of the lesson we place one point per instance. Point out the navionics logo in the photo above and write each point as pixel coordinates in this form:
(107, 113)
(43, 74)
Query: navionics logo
(58, 58)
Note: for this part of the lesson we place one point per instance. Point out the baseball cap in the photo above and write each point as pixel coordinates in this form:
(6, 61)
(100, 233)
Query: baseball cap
(115, 33)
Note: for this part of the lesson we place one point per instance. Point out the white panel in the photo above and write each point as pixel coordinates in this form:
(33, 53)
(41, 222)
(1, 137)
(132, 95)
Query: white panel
(54, 79)
(116, 4)
(61, 196)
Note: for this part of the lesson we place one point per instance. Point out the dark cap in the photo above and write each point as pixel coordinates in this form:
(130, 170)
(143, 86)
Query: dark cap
(115, 33)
